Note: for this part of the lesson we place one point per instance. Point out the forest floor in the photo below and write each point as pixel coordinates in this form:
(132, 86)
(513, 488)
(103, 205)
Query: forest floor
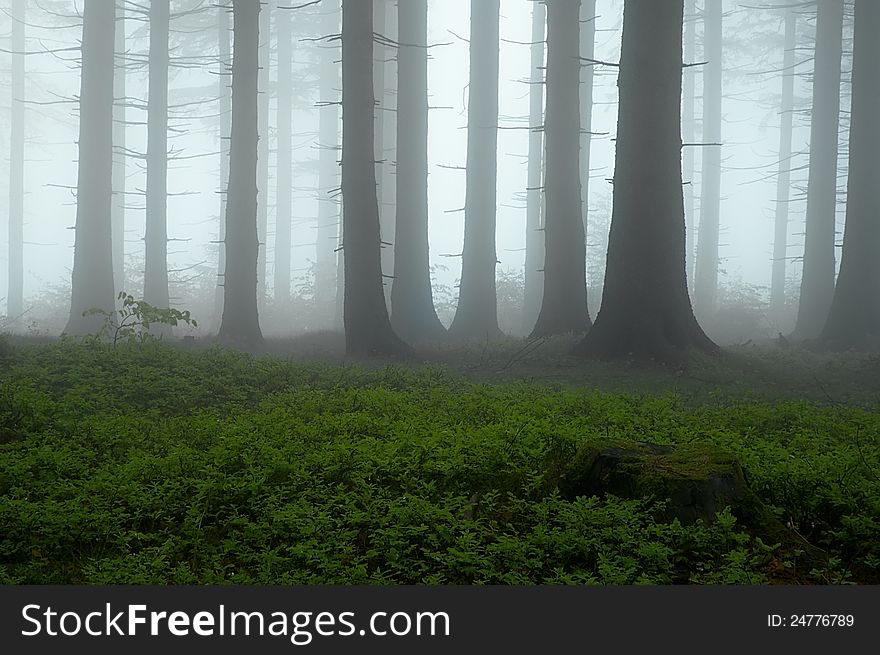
(148, 463)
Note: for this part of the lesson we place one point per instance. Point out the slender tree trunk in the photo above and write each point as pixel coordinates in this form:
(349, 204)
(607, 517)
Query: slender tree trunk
(587, 49)
(646, 312)
(284, 163)
(564, 306)
(117, 209)
(476, 316)
(689, 135)
(15, 292)
(224, 96)
(240, 325)
(783, 181)
(817, 283)
(92, 277)
(854, 320)
(534, 265)
(412, 305)
(382, 77)
(706, 277)
(367, 327)
(329, 215)
(263, 146)
(156, 237)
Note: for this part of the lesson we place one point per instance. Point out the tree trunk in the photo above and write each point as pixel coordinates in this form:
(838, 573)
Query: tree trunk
(384, 145)
(689, 135)
(284, 164)
(412, 305)
(817, 282)
(263, 146)
(476, 316)
(367, 327)
(534, 265)
(156, 237)
(92, 277)
(15, 291)
(706, 275)
(854, 320)
(329, 218)
(224, 111)
(646, 312)
(783, 181)
(117, 209)
(587, 69)
(564, 306)
(240, 325)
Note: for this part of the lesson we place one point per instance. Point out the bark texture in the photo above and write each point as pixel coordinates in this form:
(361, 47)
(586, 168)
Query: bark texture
(564, 304)
(854, 321)
(367, 327)
(817, 281)
(646, 312)
(92, 277)
(412, 305)
(476, 316)
(240, 324)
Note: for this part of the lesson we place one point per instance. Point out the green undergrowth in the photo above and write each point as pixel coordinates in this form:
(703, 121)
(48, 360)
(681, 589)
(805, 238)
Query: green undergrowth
(149, 464)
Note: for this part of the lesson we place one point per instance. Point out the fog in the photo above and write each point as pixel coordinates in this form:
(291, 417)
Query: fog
(753, 52)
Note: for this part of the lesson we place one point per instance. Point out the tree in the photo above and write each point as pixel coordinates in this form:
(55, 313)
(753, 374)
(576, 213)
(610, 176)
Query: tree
(156, 235)
(283, 182)
(263, 146)
(783, 182)
(224, 116)
(854, 319)
(383, 89)
(329, 218)
(706, 272)
(412, 306)
(240, 324)
(646, 312)
(534, 191)
(15, 292)
(92, 276)
(367, 326)
(564, 304)
(477, 313)
(817, 281)
(688, 128)
(117, 209)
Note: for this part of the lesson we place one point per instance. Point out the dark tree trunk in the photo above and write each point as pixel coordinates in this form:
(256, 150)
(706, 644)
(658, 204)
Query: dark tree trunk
(240, 324)
(15, 291)
(534, 265)
(817, 282)
(783, 182)
(476, 316)
(284, 163)
(412, 304)
(329, 219)
(263, 147)
(224, 111)
(117, 209)
(92, 277)
(689, 135)
(156, 237)
(854, 320)
(706, 274)
(367, 327)
(564, 305)
(646, 312)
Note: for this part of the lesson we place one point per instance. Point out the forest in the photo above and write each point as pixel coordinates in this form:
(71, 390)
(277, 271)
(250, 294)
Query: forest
(520, 292)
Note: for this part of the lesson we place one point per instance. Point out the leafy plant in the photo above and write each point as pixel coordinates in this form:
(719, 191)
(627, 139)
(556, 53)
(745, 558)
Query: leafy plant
(133, 321)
